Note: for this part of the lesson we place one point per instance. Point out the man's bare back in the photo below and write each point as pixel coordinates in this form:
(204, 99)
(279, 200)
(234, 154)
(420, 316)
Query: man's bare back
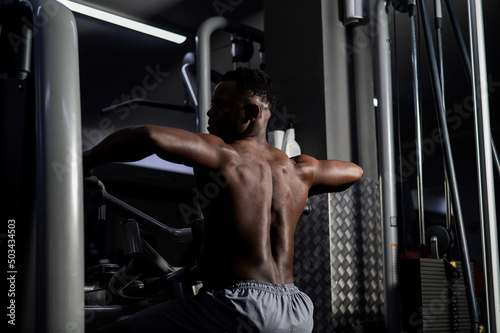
(249, 226)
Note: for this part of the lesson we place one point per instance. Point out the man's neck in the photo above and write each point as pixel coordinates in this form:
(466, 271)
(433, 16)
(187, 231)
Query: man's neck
(256, 139)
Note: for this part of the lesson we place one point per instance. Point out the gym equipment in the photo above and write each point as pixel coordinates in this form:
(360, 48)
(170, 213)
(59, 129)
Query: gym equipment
(484, 157)
(112, 292)
(487, 155)
(190, 78)
(387, 166)
(40, 101)
(147, 102)
(418, 126)
(203, 37)
(434, 296)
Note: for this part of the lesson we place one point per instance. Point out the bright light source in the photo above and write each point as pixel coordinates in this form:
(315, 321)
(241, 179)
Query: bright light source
(154, 162)
(123, 22)
(375, 102)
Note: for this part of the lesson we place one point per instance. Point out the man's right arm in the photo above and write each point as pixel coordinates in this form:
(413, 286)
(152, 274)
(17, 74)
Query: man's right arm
(175, 145)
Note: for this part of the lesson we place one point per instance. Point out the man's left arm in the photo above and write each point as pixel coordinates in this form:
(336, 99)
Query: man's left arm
(325, 176)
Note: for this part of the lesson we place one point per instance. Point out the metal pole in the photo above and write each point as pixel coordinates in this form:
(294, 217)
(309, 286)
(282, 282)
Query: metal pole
(496, 157)
(466, 60)
(418, 128)
(59, 186)
(203, 64)
(485, 165)
(450, 169)
(387, 167)
(439, 41)
(203, 67)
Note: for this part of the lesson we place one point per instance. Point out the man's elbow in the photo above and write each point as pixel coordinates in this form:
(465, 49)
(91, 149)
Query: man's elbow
(357, 173)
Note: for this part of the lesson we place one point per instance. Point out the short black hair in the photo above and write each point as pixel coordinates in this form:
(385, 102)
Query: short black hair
(254, 82)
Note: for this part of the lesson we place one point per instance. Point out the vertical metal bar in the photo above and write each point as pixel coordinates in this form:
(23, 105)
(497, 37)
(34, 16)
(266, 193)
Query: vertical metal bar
(496, 157)
(466, 61)
(439, 41)
(418, 129)
(450, 168)
(485, 165)
(60, 262)
(387, 168)
(131, 237)
(204, 67)
(366, 133)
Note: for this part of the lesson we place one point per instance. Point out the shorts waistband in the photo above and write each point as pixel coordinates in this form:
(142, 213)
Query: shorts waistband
(280, 289)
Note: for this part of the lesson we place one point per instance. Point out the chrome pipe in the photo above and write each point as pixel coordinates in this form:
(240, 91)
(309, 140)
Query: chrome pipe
(418, 129)
(485, 165)
(387, 166)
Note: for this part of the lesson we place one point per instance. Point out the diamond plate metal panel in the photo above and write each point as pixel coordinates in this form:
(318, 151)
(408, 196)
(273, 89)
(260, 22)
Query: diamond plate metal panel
(312, 261)
(338, 258)
(357, 258)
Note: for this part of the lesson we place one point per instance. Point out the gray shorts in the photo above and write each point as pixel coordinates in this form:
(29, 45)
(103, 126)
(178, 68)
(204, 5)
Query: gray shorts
(248, 306)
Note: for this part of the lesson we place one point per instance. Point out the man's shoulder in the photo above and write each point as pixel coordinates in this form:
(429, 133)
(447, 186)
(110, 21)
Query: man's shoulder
(218, 145)
(304, 159)
(212, 139)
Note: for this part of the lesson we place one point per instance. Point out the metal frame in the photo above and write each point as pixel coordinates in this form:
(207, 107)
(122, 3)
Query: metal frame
(59, 186)
(387, 167)
(100, 196)
(418, 127)
(203, 57)
(450, 167)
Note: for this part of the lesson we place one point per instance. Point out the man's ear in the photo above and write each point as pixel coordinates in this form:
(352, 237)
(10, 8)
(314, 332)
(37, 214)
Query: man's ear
(252, 111)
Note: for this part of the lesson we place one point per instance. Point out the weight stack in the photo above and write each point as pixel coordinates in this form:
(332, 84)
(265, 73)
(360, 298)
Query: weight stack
(433, 297)
(339, 259)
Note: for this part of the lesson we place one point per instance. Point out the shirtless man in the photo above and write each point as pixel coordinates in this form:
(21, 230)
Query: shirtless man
(246, 262)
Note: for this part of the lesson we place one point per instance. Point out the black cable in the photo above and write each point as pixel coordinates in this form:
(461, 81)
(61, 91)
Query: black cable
(400, 149)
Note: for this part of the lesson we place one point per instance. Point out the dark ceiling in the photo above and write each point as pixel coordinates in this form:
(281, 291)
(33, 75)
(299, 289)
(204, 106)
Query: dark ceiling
(180, 16)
